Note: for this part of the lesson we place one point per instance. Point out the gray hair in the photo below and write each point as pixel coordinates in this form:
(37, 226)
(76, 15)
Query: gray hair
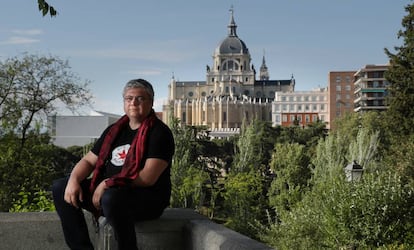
(140, 83)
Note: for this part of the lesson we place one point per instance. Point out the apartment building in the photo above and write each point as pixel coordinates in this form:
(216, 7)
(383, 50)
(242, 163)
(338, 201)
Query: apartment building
(340, 94)
(370, 88)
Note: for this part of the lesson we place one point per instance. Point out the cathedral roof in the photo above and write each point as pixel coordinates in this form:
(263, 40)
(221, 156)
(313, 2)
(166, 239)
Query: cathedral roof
(272, 82)
(232, 44)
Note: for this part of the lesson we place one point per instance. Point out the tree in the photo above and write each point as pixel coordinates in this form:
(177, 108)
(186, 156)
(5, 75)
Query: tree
(400, 113)
(244, 201)
(401, 77)
(246, 184)
(40, 163)
(32, 87)
(187, 176)
(254, 147)
(292, 173)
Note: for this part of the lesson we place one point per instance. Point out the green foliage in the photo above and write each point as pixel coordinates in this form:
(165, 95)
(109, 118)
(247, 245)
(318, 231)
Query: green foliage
(187, 176)
(244, 201)
(308, 135)
(401, 76)
(247, 150)
(39, 165)
(382, 211)
(80, 151)
(376, 212)
(253, 147)
(191, 188)
(401, 157)
(38, 201)
(292, 173)
(330, 158)
(31, 88)
(363, 149)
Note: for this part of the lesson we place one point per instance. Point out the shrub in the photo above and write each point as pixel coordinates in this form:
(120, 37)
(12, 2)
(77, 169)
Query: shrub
(38, 201)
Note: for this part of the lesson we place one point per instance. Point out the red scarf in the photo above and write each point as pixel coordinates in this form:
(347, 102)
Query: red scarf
(133, 159)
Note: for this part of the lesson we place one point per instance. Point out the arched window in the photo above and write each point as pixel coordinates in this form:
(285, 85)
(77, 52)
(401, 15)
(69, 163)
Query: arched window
(230, 65)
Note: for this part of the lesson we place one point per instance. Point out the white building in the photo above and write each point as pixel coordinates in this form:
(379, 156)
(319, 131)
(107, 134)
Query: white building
(69, 130)
(300, 108)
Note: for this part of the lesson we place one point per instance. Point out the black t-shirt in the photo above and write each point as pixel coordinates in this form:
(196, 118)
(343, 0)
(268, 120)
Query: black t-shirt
(159, 144)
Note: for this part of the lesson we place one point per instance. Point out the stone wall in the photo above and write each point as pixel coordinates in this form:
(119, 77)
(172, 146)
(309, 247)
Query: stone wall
(177, 229)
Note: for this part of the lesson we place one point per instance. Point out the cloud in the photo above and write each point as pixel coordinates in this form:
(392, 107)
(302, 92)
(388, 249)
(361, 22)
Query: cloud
(22, 37)
(170, 51)
(19, 40)
(146, 72)
(164, 56)
(29, 32)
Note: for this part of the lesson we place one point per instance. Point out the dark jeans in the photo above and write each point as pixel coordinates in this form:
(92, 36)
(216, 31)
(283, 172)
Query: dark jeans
(122, 207)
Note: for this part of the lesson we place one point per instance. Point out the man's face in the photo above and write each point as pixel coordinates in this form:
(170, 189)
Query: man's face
(137, 103)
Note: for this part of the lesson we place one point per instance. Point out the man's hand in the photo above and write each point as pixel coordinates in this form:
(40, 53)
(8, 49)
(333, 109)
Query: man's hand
(97, 195)
(73, 193)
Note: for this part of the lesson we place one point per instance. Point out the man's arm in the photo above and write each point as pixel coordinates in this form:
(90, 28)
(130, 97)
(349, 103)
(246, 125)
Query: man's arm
(150, 173)
(147, 177)
(73, 191)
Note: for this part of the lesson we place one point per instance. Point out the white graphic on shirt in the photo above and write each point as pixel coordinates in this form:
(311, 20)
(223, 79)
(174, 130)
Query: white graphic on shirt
(119, 155)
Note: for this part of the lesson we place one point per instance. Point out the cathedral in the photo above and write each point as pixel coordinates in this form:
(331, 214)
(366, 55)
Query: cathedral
(230, 95)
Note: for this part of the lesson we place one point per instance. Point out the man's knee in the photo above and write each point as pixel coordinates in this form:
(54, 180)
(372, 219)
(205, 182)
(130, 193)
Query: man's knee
(58, 188)
(113, 202)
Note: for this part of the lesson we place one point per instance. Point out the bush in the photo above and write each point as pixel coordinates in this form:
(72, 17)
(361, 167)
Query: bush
(38, 201)
(377, 212)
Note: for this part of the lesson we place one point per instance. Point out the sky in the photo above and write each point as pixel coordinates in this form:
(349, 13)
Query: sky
(111, 42)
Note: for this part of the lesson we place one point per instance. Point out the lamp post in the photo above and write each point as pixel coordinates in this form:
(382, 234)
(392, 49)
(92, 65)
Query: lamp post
(353, 171)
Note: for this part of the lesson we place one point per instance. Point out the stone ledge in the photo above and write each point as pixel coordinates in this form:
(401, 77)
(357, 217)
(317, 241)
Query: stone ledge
(31, 231)
(165, 233)
(177, 229)
(206, 235)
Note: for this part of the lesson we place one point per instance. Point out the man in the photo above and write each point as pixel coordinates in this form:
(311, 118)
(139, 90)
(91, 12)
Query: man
(130, 166)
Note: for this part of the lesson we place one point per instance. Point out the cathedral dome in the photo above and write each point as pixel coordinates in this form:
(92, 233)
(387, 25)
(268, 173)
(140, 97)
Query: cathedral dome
(232, 44)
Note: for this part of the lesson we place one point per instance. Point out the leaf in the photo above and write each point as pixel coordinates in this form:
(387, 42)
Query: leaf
(41, 4)
(45, 9)
(52, 11)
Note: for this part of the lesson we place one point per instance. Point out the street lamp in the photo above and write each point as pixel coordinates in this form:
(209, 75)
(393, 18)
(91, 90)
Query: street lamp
(353, 171)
